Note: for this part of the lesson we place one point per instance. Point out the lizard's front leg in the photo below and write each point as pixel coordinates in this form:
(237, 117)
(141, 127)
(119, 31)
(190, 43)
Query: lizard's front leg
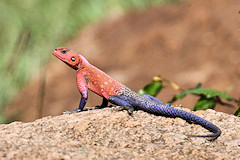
(82, 103)
(82, 87)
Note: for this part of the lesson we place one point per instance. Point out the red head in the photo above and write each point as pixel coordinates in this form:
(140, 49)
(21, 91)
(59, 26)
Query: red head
(69, 57)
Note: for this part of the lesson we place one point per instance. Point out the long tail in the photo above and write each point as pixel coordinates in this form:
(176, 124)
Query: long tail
(174, 112)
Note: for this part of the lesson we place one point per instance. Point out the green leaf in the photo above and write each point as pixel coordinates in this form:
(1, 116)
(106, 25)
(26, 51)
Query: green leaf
(237, 113)
(199, 85)
(206, 92)
(203, 104)
(152, 88)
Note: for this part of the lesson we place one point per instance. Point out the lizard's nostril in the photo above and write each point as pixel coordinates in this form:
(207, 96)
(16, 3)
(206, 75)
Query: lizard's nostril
(54, 51)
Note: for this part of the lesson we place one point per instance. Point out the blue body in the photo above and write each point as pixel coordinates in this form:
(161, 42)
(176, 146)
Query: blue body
(133, 101)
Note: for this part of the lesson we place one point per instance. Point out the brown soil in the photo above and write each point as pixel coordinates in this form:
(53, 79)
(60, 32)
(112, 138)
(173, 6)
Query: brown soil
(196, 41)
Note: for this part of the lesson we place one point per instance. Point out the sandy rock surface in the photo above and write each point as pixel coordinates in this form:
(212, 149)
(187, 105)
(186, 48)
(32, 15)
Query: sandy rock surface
(107, 134)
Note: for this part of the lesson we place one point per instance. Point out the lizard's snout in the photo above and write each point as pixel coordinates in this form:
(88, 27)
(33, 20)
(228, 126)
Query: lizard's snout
(54, 51)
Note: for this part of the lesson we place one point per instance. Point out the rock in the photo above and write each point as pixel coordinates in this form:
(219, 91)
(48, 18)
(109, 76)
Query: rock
(105, 134)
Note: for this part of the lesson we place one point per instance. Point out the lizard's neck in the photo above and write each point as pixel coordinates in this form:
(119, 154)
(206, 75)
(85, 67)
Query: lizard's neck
(83, 63)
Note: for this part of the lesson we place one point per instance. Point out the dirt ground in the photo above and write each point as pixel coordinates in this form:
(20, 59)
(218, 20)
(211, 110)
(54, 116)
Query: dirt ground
(187, 43)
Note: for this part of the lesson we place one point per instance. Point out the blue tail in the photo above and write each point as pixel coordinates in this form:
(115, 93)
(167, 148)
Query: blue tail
(132, 101)
(174, 112)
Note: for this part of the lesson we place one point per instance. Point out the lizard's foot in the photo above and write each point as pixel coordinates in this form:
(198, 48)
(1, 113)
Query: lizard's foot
(177, 105)
(174, 105)
(74, 111)
(121, 108)
(70, 112)
(101, 107)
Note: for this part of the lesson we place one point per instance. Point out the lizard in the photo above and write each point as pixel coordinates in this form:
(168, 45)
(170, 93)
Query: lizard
(91, 78)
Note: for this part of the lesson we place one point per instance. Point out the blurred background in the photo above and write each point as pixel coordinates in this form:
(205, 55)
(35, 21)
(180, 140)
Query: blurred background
(185, 41)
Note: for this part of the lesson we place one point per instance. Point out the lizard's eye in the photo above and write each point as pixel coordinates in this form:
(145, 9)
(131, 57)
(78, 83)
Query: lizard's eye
(73, 59)
(63, 51)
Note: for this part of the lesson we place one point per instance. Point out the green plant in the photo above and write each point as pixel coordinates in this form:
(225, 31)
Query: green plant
(208, 98)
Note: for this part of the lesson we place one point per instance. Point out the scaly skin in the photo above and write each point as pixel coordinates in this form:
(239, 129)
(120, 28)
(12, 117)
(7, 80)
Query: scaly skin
(90, 77)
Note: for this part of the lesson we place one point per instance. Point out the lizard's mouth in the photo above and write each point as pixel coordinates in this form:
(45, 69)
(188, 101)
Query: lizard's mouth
(56, 54)
(73, 67)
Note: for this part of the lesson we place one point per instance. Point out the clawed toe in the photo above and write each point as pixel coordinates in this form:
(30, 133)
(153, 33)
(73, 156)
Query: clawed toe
(74, 111)
(121, 108)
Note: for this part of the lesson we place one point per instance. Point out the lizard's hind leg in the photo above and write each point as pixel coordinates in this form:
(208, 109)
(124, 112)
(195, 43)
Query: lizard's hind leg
(152, 98)
(122, 102)
(157, 100)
